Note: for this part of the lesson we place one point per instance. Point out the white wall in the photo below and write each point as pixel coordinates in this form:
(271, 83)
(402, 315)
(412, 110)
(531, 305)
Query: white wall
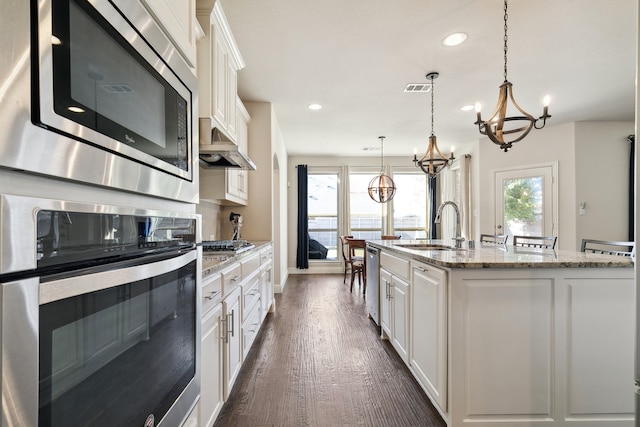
(602, 175)
(279, 207)
(258, 215)
(593, 166)
(553, 143)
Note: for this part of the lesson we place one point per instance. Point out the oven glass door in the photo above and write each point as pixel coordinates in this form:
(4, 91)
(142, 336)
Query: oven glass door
(103, 84)
(115, 355)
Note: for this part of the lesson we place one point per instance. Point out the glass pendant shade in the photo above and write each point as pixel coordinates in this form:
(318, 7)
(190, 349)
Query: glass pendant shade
(381, 187)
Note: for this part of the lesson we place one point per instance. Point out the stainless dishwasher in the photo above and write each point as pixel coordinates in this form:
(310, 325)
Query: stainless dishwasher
(373, 283)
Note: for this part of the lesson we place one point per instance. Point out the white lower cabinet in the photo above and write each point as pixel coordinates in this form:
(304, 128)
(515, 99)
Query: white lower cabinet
(232, 338)
(250, 311)
(428, 356)
(230, 324)
(211, 366)
(266, 287)
(394, 312)
(498, 347)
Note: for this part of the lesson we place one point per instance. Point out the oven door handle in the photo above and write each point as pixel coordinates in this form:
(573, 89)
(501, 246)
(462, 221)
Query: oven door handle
(67, 287)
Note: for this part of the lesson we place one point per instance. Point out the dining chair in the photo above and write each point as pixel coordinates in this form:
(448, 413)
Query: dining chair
(494, 239)
(608, 247)
(390, 237)
(345, 256)
(535, 241)
(357, 259)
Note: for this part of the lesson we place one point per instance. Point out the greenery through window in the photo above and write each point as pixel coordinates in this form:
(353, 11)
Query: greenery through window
(523, 205)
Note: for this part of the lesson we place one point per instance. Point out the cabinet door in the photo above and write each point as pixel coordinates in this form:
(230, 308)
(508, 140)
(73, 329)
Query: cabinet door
(219, 86)
(266, 289)
(211, 377)
(428, 325)
(233, 339)
(178, 20)
(385, 302)
(400, 317)
(232, 94)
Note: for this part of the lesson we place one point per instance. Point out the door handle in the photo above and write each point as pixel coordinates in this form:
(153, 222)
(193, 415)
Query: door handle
(498, 227)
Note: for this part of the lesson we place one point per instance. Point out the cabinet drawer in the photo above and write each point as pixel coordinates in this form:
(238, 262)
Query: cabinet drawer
(250, 329)
(250, 295)
(250, 264)
(395, 265)
(265, 256)
(231, 277)
(211, 291)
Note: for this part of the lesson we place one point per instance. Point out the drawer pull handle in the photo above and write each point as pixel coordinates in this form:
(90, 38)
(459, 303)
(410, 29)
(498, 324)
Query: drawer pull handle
(235, 279)
(211, 295)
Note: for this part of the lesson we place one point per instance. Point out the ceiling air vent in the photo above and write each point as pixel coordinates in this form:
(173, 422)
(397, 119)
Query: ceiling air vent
(418, 87)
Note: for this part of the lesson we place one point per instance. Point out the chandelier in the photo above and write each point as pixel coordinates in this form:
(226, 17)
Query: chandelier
(503, 130)
(381, 187)
(433, 161)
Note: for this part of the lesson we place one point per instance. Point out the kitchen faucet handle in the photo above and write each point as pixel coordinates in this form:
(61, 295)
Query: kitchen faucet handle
(459, 241)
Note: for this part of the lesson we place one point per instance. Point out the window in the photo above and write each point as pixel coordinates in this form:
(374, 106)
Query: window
(366, 215)
(410, 205)
(323, 211)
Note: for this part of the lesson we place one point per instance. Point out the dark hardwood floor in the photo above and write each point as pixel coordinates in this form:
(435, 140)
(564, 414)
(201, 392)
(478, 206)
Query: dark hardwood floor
(319, 361)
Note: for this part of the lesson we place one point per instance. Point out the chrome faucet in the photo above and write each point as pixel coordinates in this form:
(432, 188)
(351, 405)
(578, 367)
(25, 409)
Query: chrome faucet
(459, 239)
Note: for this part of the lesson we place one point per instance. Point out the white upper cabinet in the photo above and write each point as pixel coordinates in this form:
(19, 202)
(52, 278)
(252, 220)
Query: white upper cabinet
(178, 20)
(218, 63)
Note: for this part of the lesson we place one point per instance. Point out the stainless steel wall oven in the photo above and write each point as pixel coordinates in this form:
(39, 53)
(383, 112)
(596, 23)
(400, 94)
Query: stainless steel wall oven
(94, 91)
(99, 314)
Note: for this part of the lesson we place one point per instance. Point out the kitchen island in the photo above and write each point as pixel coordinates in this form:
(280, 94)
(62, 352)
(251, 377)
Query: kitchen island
(510, 336)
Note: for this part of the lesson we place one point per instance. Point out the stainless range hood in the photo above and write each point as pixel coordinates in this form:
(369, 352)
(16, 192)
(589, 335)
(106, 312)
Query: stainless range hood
(218, 151)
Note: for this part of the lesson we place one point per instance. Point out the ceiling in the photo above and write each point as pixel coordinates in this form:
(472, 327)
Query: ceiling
(356, 57)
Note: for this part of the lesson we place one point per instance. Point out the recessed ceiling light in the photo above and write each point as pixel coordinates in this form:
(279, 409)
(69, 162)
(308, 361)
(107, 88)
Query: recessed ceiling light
(467, 107)
(454, 39)
(314, 106)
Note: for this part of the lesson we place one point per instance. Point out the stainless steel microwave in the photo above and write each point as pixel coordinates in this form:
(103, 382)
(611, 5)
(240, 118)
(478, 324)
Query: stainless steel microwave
(94, 91)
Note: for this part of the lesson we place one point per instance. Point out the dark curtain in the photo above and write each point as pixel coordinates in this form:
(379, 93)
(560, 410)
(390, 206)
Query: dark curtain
(632, 186)
(431, 192)
(302, 254)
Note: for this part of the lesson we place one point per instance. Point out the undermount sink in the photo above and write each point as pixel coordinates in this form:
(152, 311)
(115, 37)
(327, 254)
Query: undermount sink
(426, 246)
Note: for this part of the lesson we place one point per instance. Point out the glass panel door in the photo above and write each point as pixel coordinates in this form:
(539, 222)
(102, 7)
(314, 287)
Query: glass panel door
(524, 202)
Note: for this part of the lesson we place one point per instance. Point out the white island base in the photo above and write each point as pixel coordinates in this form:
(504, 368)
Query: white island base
(501, 337)
(541, 347)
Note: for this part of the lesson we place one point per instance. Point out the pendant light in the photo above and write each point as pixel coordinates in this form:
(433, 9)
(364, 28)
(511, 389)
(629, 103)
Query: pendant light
(381, 187)
(500, 128)
(433, 161)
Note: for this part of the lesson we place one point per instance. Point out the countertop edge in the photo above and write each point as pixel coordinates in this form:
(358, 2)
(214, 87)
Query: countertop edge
(212, 269)
(432, 257)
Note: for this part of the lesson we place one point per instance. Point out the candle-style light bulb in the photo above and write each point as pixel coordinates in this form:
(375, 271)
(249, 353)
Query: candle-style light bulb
(478, 109)
(545, 102)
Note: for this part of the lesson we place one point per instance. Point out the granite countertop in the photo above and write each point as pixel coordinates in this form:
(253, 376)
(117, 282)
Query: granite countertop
(492, 256)
(213, 262)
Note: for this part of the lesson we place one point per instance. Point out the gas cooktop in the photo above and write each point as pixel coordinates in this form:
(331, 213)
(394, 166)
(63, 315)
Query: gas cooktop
(226, 246)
